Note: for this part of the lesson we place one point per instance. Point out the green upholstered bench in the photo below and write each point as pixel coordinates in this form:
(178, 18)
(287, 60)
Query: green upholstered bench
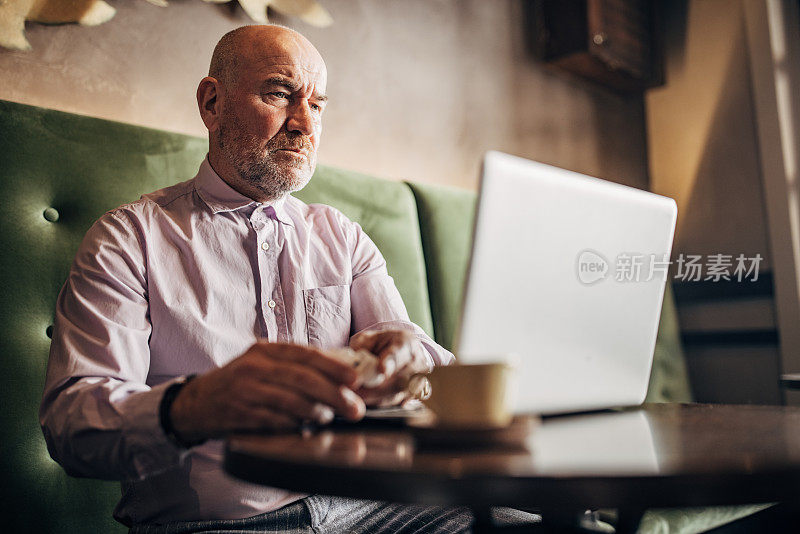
(61, 171)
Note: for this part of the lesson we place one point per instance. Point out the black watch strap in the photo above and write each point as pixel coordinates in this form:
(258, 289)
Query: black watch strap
(164, 413)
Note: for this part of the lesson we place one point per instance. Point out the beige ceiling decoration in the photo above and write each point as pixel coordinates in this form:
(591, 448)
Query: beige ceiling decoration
(309, 11)
(14, 13)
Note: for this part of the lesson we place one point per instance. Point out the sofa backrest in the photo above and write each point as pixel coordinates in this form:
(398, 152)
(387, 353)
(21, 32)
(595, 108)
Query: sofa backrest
(60, 172)
(446, 217)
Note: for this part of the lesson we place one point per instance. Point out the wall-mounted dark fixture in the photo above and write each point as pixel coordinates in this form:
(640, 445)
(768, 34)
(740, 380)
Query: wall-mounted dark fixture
(612, 42)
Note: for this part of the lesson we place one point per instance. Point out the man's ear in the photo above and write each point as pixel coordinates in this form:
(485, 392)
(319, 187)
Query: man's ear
(208, 102)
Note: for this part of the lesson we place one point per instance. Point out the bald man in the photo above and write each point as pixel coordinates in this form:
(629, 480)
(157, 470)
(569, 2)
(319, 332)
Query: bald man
(207, 307)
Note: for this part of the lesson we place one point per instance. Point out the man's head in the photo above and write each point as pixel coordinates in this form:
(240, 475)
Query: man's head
(262, 103)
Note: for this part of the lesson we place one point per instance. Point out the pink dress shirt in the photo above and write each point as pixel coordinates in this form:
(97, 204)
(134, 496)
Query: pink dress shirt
(183, 281)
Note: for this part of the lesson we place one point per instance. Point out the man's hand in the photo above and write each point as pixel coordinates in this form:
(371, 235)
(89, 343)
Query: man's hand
(401, 355)
(271, 386)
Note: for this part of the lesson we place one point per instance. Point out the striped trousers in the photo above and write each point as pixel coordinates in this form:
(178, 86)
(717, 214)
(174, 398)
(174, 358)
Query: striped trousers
(319, 514)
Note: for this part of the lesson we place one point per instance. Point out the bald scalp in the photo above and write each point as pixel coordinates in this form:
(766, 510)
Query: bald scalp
(224, 58)
(236, 48)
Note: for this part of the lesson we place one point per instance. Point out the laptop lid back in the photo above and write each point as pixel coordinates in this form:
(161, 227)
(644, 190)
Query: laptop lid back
(567, 273)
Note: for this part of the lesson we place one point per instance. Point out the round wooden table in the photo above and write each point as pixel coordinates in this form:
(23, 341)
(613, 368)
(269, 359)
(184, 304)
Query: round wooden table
(632, 459)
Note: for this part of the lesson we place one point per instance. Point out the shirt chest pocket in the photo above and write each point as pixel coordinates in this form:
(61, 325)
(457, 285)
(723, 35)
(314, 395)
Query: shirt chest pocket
(328, 316)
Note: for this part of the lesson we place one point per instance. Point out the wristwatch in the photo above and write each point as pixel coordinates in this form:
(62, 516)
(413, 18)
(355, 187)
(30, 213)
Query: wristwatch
(164, 413)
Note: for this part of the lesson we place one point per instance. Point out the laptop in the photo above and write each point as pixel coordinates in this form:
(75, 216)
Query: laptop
(566, 279)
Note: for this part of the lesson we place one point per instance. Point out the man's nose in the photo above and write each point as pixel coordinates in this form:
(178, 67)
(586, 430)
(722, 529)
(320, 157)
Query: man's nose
(301, 119)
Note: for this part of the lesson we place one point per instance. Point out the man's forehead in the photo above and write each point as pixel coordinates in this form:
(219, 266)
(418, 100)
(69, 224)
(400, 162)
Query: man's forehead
(287, 47)
(290, 61)
(288, 65)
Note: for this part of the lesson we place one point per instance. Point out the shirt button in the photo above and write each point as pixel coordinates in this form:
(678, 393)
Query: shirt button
(271, 303)
(265, 246)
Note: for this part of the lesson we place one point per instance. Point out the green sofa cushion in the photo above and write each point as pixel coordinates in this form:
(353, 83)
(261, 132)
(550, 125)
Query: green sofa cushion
(387, 213)
(80, 167)
(446, 216)
(669, 379)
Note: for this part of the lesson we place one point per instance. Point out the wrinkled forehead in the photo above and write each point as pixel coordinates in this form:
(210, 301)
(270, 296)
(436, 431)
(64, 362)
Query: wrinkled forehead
(289, 56)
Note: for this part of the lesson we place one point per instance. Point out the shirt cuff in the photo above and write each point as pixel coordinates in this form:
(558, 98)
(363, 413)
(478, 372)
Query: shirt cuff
(151, 450)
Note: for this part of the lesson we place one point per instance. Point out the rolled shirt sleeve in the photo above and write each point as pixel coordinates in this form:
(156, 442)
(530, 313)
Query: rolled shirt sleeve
(98, 415)
(376, 303)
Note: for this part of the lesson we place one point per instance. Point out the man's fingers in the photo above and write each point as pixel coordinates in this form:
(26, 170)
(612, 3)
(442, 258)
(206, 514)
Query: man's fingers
(313, 385)
(394, 356)
(391, 392)
(389, 387)
(356, 406)
(331, 367)
(396, 349)
(363, 341)
(289, 402)
(371, 340)
(387, 399)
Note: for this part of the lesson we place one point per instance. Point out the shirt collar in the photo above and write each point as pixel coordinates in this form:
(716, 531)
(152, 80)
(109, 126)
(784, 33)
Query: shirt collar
(220, 197)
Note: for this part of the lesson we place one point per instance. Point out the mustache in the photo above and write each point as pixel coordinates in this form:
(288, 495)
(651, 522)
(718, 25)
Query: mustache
(295, 142)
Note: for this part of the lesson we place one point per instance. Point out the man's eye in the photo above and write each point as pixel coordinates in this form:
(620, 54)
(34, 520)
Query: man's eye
(280, 94)
(315, 107)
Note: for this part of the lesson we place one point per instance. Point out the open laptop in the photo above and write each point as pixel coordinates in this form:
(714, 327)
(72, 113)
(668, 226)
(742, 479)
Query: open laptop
(566, 277)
